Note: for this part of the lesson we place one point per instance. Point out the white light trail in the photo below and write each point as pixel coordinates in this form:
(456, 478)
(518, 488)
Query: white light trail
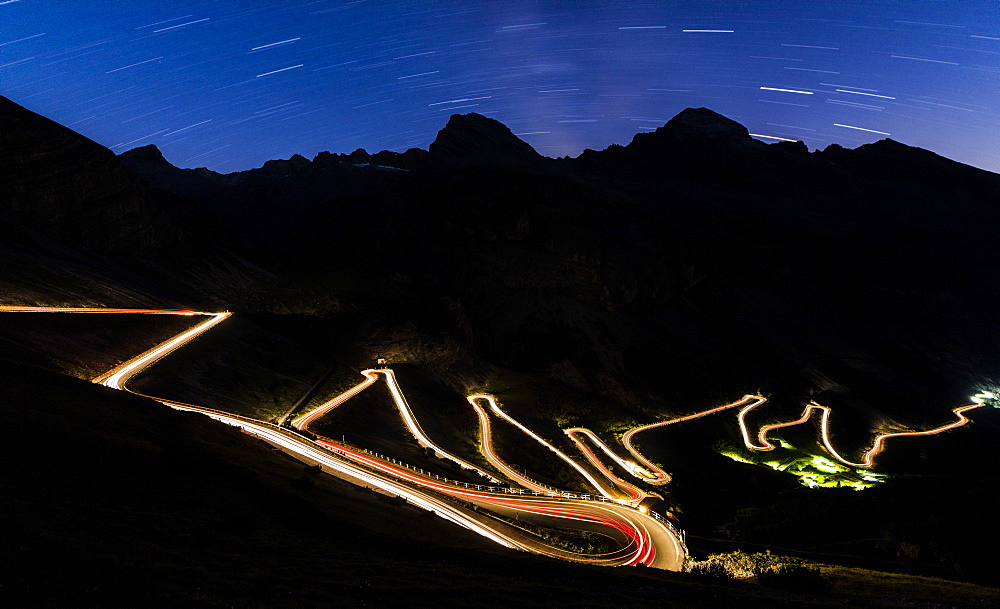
(499, 412)
(773, 137)
(281, 70)
(188, 127)
(457, 101)
(416, 75)
(786, 90)
(142, 27)
(486, 437)
(274, 44)
(416, 430)
(861, 93)
(116, 377)
(133, 65)
(950, 63)
(174, 27)
(861, 129)
(809, 46)
(3, 44)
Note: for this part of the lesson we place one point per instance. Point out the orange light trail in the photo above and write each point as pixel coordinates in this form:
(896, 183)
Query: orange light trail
(481, 496)
(117, 376)
(17, 309)
(302, 423)
(486, 436)
(639, 532)
(868, 459)
(636, 495)
(609, 493)
(659, 476)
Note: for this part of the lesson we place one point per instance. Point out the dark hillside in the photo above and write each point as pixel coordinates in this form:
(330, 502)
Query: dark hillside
(76, 222)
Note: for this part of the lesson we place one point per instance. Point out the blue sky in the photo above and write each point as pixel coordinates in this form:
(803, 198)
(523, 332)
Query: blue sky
(231, 84)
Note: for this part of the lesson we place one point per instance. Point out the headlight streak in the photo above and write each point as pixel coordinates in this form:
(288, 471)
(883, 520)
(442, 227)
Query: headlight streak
(661, 477)
(637, 495)
(307, 450)
(302, 422)
(499, 412)
(417, 431)
(868, 459)
(486, 436)
(636, 536)
(15, 309)
(117, 376)
(636, 528)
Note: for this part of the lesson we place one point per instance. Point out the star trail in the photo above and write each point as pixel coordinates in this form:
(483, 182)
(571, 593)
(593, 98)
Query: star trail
(229, 85)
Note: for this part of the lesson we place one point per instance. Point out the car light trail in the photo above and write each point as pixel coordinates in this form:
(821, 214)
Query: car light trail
(638, 531)
(659, 476)
(486, 436)
(636, 495)
(583, 472)
(302, 423)
(16, 309)
(868, 459)
(417, 431)
(480, 496)
(116, 377)
(623, 520)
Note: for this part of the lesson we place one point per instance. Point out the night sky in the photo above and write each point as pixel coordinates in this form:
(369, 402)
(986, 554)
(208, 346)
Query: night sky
(229, 85)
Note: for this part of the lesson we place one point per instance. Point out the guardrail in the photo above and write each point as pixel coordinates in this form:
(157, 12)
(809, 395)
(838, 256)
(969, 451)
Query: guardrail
(330, 446)
(677, 532)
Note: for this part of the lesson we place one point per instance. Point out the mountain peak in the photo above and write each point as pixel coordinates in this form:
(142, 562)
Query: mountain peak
(473, 139)
(698, 125)
(144, 154)
(702, 122)
(695, 133)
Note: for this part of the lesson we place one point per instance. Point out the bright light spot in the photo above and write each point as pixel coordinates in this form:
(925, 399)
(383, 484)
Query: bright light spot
(825, 465)
(983, 397)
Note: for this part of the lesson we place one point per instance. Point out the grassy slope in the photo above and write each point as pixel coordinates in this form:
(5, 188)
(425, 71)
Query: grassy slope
(125, 503)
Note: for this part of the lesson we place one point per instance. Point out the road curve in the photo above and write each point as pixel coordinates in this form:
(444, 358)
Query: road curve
(643, 539)
(409, 419)
(605, 490)
(659, 476)
(868, 459)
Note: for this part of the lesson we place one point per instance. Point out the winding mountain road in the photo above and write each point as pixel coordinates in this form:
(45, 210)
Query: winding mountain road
(642, 538)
